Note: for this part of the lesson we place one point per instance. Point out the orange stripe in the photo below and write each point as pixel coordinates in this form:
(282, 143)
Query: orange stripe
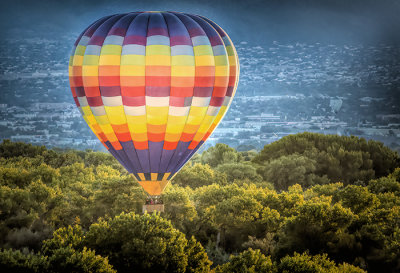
(155, 137)
(221, 81)
(182, 81)
(170, 145)
(122, 128)
(205, 71)
(139, 137)
(190, 129)
(141, 145)
(109, 70)
(123, 136)
(77, 71)
(91, 81)
(193, 145)
(153, 70)
(156, 129)
(132, 81)
(116, 145)
(186, 137)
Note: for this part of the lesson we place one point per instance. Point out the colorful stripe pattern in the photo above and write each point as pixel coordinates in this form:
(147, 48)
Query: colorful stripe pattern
(153, 86)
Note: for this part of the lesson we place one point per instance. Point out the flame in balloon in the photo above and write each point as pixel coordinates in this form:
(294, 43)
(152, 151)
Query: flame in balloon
(153, 86)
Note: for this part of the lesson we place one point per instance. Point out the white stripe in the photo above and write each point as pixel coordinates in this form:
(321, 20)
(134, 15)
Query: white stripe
(93, 50)
(201, 101)
(133, 50)
(181, 50)
(83, 101)
(200, 40)
(212, 110)
(157, 101)
(98, 110)
(113, 40)
(112, 101)
(179, 111)
(158, 40)
(135, 110)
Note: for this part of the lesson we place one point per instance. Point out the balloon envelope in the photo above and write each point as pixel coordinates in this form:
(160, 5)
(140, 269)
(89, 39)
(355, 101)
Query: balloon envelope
(153, 86)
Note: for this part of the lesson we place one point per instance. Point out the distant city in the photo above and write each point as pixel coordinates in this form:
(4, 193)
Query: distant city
(283, 89)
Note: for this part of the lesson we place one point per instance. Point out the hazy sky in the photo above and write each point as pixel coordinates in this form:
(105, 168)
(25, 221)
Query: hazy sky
(257, 21)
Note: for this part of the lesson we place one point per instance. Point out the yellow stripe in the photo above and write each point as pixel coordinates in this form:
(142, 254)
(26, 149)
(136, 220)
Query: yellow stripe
(137, 128)
(204, 60)
(110, 60)
(181, 60)
(133, 70)
(222, 70)
(182, 71)
(77, 60)
(133, 60)
(90, 70)
(102, 120)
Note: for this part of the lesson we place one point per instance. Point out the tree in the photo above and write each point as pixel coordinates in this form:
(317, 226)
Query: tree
(239, 171)
(304, 263)
(144, 243)
(251, 261)
(17, 262)
(344, 159)
(220, 154)
(292, 169)
(199, 175)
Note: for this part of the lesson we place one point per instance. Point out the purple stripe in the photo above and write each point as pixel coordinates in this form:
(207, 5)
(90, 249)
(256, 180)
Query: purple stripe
(97, 40)
(133, 101)
(155, 151)
(135, 40)
(196, 32)
(130, 151)
(165, 158)
(216, 40)
(94, 101)
(188, 155)
(143, 156)
(110, 91)
(157, 31)
(229, 91)
(180, 40)
(115, 154)
(125, 159)
(179, 151)
(216, 101)
(80, 91)
(202, 91)
(117, 31)
(158, 91)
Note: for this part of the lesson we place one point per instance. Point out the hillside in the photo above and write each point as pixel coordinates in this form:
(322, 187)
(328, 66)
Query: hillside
(305, 203)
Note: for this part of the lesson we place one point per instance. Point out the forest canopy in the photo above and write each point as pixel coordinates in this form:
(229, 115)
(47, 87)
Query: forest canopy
(305, 203)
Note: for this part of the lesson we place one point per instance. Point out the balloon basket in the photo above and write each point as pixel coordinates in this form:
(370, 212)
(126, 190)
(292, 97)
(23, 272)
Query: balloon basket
(155, 207)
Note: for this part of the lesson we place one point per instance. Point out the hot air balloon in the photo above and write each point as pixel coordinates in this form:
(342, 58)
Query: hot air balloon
(153, 86)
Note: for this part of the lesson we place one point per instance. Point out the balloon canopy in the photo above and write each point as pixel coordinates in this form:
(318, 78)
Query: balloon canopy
(153, 86)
